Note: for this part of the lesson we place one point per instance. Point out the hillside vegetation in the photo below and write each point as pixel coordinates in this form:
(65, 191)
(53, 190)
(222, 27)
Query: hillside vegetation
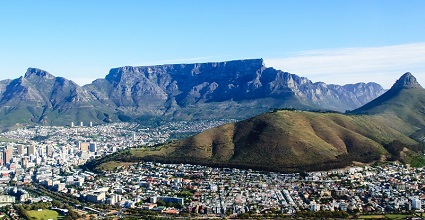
(388, 128)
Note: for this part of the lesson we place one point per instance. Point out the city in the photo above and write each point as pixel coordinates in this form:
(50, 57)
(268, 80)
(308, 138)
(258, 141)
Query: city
(212, 109)
(47, 159)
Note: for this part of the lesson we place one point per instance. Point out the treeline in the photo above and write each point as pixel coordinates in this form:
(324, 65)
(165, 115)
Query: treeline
(140, 214)
(122, 156)
(24, 208)
(59, 196)
(414, 158)
(127, 156)
(307, 110)
(40, 138)
(322, 214)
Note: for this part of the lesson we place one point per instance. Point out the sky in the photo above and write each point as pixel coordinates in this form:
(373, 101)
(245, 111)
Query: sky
(332, 41)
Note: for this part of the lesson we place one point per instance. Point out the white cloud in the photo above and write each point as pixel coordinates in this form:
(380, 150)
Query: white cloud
(383, 65)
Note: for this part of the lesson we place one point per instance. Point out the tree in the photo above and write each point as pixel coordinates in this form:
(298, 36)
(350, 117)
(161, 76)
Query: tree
(178, 205)
(244, 215)
(160, 203)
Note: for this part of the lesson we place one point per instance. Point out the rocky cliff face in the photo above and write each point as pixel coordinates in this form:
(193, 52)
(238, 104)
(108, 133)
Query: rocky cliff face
(406, 81)
(234, 89)
(170, 89)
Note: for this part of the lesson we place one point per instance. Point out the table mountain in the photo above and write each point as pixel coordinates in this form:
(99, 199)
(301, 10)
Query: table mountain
(224, 90)
(238, 89)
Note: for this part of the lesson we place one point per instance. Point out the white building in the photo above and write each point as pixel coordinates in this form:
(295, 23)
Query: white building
(416, 204)
(6, 200)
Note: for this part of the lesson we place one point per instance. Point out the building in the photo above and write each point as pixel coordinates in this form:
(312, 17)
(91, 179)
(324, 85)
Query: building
(416, 204)
(31, 150)
(153, 199)
(24, 162)
(133, 134)
(6, 200)
(314, 206)
(49, 151)
(21, 149)
(114, 199)
(92, 147)
(84, 146)
(7, 154)
(96, 197)
(59, 186)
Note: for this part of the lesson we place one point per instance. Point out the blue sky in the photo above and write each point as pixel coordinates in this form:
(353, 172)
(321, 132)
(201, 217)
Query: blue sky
(332, 41)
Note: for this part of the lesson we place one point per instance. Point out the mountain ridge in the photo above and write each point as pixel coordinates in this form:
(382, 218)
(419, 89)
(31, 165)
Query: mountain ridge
(177, 86)
(38, 97)
(232, 89)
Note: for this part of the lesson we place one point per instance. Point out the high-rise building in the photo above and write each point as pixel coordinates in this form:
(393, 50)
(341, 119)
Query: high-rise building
(7, 154)
(84, 146)
(21, 149)
(41, 151)
(25, 162)
(31, 150)
(93, 147)
(134, 136)
(49, 151)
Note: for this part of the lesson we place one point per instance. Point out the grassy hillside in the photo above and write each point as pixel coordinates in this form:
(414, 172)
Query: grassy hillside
(406, 104)
(282, 141)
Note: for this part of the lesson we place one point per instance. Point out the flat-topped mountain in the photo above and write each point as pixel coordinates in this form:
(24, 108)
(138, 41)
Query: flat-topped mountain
(292, 140)
(224, 90)
(238, 88)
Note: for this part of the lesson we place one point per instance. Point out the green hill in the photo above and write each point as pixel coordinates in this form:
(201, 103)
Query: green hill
(390, 127)
(405, 100)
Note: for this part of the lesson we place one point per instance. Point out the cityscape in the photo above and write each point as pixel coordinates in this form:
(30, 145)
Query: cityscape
(48, 159)
(212, 110)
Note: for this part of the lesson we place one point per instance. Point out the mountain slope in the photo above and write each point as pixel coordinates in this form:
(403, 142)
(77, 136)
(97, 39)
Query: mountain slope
(298, 140)
(39, 97)
(405, 100)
